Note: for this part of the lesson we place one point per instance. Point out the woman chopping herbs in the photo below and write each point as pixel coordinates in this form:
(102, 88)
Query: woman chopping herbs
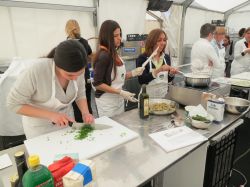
(44, 93)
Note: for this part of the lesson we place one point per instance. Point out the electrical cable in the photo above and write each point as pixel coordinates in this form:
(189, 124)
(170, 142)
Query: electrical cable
(241, 156)
(243, 176)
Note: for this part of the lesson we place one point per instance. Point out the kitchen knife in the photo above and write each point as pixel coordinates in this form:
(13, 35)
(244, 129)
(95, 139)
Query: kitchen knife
(78, 126)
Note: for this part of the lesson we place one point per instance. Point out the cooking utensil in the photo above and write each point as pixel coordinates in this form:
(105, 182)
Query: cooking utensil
(236, 105)
(183, 65)
(78, 126)
(197, 80)
(151, 56)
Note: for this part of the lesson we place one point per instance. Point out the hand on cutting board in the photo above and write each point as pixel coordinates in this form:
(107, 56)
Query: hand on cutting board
(128, 96)
(60, 119)
(137, 71)
(88, 118)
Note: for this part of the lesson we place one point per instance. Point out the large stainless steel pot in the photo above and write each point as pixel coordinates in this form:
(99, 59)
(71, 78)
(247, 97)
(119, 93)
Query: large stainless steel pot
(197, 80)
(236, 105)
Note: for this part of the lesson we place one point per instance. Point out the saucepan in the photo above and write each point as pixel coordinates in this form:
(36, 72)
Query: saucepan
(196, 79)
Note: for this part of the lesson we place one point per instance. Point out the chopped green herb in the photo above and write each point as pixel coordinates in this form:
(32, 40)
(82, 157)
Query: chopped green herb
(84, 132)
(200, 118)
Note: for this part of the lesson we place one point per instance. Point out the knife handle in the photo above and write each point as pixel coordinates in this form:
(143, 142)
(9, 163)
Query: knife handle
(70, 123)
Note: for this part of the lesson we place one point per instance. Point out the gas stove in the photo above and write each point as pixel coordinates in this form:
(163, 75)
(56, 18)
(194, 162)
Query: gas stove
(187, 95)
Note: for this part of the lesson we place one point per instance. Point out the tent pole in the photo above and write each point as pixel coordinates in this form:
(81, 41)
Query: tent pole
(185, 5)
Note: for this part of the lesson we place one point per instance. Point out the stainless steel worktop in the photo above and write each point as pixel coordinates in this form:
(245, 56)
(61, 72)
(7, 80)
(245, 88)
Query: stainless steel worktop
(137, 161)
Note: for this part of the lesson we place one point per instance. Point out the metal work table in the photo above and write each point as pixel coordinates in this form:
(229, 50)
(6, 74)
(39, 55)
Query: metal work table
(138, 161)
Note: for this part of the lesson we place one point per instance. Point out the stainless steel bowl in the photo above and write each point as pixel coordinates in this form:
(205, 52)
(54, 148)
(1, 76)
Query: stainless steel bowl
(236, 105)
(197, 80)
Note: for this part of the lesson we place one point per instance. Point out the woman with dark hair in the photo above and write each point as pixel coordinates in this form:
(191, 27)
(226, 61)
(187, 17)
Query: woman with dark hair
(229, 54)
(45, 92)
(110, 73)
(241, 60)
(158, 72)
(73, 32)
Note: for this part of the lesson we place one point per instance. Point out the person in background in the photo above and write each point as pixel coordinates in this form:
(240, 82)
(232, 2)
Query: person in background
(73, 31)
(217, 43)
(110, 73)
(45, 91)
(229, 55)
(241, 32)
(241, 62)
(158, 72)
(204, 59)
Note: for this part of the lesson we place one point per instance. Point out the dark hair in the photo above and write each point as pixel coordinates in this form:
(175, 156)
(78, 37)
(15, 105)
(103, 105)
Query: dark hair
(241, 32)
(206, 29)
(152, 39)
(51, 54)
(227, 37)
(70, 56)
(106, 39)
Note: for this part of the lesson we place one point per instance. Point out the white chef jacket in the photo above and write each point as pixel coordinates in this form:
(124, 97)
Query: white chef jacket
(203, 52)
(240, 63)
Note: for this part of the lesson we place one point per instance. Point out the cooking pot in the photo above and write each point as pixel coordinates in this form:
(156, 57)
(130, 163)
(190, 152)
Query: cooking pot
(196, 80)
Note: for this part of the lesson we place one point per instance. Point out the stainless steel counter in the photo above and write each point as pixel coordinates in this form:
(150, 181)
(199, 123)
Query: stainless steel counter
(137, 161)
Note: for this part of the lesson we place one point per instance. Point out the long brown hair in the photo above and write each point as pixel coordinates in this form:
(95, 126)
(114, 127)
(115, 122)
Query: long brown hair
(106, 39)
(152, 39)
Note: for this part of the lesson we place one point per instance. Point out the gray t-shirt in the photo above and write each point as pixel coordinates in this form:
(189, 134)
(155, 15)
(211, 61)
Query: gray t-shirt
(34, 86)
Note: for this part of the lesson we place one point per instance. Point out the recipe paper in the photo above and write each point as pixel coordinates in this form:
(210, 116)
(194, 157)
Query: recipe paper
(5, 161)
(176, 138)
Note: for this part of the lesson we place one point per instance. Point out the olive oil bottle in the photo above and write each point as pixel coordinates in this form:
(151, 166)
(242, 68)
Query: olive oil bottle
(144, 103)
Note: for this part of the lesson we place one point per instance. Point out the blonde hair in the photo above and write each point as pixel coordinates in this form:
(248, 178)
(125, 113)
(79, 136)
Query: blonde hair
(72, 27)
(220, 30)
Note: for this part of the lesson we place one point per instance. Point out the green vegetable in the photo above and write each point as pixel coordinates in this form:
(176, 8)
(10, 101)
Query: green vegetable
(200, 118)
(84, 132)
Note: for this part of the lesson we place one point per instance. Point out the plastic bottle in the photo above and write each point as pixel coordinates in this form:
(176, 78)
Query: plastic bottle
(37, 174)
(144, 103)
(21, 166)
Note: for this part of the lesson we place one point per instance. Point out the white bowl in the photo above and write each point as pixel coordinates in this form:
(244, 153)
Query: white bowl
(200, 124)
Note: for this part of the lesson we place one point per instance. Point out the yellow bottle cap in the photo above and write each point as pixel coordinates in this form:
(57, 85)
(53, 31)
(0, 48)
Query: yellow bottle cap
(34, 160)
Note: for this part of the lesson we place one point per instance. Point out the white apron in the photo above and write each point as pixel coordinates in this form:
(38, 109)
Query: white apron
(36, 126)
(112, 104)
(158, 88)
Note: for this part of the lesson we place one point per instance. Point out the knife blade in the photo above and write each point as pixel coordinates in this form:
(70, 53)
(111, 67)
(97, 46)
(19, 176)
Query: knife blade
(78, 126)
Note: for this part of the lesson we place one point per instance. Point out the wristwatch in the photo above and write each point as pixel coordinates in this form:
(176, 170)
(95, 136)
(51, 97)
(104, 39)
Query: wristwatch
(242, 53)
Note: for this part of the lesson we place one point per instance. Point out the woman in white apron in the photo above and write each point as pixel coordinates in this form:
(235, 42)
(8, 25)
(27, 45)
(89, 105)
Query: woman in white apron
(110, 72)
(158, 71)
(45, 92)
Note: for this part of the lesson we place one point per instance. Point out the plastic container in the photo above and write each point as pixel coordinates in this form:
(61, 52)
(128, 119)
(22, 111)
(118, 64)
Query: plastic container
(37, 174)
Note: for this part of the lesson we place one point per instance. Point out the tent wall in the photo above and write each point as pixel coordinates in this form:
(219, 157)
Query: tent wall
(195, 18)
(130, 14)
(28, 33)
(239, 19)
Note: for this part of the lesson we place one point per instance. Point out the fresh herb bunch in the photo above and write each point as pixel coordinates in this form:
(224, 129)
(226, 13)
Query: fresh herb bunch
(84, 132)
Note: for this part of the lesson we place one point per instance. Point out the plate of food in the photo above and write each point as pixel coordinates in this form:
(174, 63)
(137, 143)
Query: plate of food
(161, 106)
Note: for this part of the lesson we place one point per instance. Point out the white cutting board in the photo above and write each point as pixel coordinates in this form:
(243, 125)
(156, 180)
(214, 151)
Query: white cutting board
(62, 141)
